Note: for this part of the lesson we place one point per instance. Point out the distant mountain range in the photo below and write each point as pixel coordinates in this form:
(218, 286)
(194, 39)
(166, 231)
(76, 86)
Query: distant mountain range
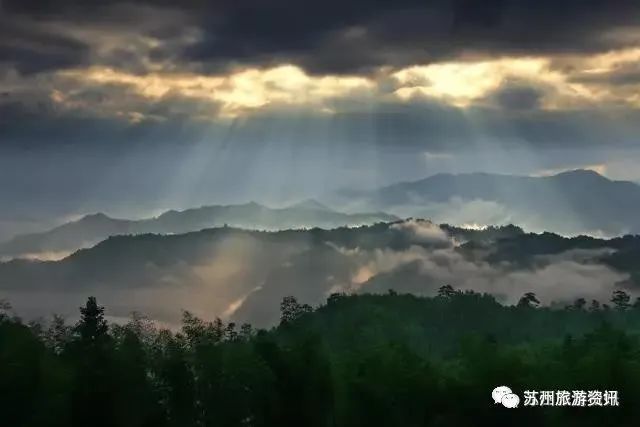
(94, 228)
(570, 203)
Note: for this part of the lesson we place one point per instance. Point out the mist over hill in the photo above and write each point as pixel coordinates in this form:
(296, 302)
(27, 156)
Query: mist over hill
(94, 228)
(239, 261)
(243, 275)
(568, 203)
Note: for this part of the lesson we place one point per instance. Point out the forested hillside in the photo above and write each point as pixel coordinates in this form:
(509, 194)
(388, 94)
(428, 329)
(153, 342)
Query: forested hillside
(244, 274)
(365, 360)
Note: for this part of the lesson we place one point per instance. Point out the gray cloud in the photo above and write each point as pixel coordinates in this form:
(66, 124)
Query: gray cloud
(557, 280)
(30, 47)
(628, 74)
(517, 96)
(318, 35)
(407, 32)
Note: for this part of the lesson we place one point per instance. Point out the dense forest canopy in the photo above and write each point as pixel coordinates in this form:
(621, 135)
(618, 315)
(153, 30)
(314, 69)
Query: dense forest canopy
(357, 360)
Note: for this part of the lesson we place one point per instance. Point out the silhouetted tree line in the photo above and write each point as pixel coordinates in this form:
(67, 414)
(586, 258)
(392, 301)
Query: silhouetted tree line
(366, 360)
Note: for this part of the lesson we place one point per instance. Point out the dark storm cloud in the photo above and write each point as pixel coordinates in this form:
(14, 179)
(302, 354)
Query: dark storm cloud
(317, 35)
(518, 96)
(29, 48)
(38, 36)
(41, 126)
(337, 36)
(414, 125)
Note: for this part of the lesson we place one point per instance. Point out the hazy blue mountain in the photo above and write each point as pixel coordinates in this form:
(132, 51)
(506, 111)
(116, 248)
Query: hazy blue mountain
(311, 204)
(574, 202)
(92, 229)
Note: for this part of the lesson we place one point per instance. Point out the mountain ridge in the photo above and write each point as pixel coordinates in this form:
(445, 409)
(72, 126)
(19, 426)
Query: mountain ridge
(92, 228)
(569, 203)
(245, 273)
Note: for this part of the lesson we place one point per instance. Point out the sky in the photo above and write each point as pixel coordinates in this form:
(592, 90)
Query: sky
(131, 108)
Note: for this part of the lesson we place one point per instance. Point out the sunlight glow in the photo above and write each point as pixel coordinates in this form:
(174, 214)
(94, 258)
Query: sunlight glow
(564, 82)
(462, 82)
(234, 94)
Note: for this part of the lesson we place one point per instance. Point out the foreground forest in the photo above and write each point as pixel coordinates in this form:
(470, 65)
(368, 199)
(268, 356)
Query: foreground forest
(357, 360)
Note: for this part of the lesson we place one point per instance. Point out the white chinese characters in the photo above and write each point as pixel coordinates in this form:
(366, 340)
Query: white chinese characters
(580, 398)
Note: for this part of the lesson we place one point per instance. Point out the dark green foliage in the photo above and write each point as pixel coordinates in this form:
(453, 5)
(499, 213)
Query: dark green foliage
(620, 300)
(367, 360)
(528, 300)
(579, 304)
(91, 353)
(291, 310)
(447, 291)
